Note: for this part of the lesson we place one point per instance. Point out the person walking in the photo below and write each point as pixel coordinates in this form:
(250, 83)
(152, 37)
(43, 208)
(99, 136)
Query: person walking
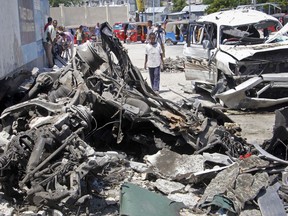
(160, 37)
(49, 39)
(79, 34)
(153, 60)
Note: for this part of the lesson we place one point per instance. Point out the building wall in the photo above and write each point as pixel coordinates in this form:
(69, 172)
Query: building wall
(22, 23)
(89, 15)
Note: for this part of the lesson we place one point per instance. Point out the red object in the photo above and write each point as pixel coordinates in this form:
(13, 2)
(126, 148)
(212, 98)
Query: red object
(87, 35)
(119, 29)
(137, 32)
(247, 155)
(45, 27)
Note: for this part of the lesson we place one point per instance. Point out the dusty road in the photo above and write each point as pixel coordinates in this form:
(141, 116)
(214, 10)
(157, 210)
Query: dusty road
(256, 126)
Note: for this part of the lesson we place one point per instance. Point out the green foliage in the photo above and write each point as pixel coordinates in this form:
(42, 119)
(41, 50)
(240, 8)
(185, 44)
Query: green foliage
(178, 5)
(207, 2)
(218, 5)
(55, 3)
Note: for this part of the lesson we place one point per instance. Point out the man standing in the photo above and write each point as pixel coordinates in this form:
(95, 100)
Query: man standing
(153, 59)
(79, 33)
(150, 29)
(49, 22)
(49, 40)
(97, 32)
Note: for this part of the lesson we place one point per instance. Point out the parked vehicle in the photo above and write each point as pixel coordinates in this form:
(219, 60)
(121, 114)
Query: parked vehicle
(176, 31)
(225, 50)
(137, 32)
(120, 30)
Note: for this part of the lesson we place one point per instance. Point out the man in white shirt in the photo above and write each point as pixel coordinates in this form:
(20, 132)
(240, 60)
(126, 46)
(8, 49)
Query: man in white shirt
(150, 29)
(49, 39)
(153, 60)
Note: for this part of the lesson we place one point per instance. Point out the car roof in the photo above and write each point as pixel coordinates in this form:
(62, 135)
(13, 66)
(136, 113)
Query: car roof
(237, 17)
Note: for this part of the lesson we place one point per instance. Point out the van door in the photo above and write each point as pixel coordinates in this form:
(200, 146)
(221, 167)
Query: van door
(199, 50)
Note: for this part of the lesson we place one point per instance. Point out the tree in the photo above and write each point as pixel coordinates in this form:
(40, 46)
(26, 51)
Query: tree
(178, 5)
(55, 3)
(218, 5)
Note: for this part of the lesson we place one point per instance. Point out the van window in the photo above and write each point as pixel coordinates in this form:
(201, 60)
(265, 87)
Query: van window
(117, 27)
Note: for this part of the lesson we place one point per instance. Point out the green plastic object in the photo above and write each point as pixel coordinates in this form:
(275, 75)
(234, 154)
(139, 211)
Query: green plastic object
(137, 201)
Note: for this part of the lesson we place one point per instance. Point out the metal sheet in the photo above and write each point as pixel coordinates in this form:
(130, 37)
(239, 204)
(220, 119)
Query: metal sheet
(270, 203)
(138, 201)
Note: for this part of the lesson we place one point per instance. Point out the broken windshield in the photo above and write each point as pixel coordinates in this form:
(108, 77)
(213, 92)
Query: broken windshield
(251, 33)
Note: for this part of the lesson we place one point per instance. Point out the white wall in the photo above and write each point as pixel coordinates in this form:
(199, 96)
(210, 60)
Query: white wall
(22, 23)
(89, 15)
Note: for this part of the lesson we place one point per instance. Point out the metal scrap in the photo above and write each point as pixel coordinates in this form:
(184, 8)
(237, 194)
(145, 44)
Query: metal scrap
(140, 202)
(174, 65)
(72, 138)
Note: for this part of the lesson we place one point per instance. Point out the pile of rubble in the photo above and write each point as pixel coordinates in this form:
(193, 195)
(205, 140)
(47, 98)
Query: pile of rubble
(94, 139)
(174, 65)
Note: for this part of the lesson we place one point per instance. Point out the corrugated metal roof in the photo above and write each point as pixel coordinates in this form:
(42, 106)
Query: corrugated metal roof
(195, 8)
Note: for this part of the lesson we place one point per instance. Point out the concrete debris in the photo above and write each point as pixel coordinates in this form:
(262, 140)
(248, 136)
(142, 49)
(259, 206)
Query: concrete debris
(217, 158)
(170, 165)
(174, 65)
(253, 212)
(93, 138)
(139, 167)
(168, 187)
(189, 199)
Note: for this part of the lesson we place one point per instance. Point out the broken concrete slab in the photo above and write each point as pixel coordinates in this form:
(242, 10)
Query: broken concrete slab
(217, 158)
(174, 166)
(168, 187)
(189, 199)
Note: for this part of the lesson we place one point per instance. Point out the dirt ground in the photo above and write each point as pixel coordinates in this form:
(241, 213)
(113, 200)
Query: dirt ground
(256, 126)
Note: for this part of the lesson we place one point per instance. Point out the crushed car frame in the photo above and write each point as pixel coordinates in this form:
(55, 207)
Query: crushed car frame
(228, 48)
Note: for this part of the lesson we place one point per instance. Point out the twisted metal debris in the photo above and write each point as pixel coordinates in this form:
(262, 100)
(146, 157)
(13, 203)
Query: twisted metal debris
(83, 129)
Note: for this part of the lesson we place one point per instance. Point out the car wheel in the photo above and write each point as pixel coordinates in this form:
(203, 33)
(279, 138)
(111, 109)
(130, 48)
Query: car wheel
(169, 42)
(174, 43)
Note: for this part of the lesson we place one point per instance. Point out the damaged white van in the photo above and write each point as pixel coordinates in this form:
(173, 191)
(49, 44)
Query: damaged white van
(240, 56)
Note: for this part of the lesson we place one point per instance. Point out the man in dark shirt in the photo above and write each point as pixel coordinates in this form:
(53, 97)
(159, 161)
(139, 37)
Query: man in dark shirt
(49, 22)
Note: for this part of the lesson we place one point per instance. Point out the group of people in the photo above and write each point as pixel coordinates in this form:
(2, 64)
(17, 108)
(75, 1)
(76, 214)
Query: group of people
(80, 35)
(154, 53)
(58, 41)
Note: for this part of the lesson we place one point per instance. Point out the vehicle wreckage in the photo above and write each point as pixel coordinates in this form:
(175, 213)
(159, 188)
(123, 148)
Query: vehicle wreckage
(240, 57)
(93, 138)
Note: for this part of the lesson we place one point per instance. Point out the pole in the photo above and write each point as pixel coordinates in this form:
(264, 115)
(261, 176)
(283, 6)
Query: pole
(153, 11)
(189, 10)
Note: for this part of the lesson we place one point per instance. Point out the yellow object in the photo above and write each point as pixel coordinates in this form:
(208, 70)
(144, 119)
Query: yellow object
(140, 5)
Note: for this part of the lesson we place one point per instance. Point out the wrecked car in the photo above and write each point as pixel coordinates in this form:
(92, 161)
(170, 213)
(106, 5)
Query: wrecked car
(230, 48)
